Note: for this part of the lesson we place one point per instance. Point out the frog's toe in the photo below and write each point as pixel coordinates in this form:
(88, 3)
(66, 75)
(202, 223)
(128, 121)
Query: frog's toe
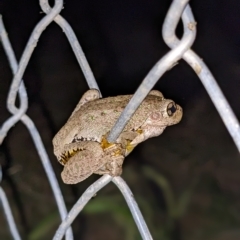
(115, 166)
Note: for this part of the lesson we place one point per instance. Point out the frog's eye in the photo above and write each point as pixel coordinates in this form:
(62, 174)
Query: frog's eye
(171, 109)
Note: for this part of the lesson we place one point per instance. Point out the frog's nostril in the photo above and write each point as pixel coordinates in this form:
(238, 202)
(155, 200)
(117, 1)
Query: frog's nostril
(171, 108)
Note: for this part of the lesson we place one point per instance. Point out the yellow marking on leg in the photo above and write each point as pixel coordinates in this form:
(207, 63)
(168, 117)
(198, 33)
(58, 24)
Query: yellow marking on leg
(129, 146)
(105, 144)
(140, 131)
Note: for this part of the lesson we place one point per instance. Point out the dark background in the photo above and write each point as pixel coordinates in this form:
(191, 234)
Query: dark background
(196, 159)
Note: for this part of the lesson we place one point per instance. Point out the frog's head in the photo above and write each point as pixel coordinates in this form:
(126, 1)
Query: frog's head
(166, 113)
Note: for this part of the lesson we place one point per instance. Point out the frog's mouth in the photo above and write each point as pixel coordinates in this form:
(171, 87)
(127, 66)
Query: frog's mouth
(65, 156)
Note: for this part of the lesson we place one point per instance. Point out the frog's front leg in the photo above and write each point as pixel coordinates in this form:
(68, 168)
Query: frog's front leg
(127, 140)
(87, 157)
(89, 95)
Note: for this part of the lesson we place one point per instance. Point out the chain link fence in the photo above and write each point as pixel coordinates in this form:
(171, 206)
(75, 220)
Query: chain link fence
(180, 48)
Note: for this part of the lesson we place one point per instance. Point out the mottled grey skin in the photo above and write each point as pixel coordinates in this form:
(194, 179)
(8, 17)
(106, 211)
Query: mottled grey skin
(81, 144)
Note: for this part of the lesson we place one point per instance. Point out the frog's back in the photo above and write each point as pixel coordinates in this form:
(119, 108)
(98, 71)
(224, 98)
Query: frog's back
(96, 118)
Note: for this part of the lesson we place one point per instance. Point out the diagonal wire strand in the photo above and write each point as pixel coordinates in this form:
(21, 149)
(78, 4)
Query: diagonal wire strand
(32, 43)
(91, 191)
(87, 72)
(206, 78)
(79, 205)
(164, 64)
(8, 212)
(9, 215)
(133, 206)
(34, 132)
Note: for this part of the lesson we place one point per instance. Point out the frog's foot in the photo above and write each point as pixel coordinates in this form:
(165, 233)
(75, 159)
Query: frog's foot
(113, 166)
(129, 140)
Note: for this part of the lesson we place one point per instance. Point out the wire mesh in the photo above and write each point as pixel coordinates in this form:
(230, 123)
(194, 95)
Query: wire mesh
(179, 10)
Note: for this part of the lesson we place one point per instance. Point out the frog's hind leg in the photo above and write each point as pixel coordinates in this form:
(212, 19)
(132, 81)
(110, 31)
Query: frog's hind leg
(83, 163)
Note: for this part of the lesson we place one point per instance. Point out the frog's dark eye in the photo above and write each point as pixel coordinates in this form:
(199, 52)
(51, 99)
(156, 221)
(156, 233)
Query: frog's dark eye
(171, 108)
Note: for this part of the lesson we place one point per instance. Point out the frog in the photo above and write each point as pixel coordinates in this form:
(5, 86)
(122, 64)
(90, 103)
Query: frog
(81, 145)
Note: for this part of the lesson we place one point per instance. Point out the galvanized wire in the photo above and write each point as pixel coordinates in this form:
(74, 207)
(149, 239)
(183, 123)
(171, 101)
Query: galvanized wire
(205, 76)
(87, 72)
(91, 191)
(132, 204)
(32, 43)
(79, 205)
(19, 113)
(9, 216)
(33, 130)
(8, 212)
(180, 49)
(164, 64)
